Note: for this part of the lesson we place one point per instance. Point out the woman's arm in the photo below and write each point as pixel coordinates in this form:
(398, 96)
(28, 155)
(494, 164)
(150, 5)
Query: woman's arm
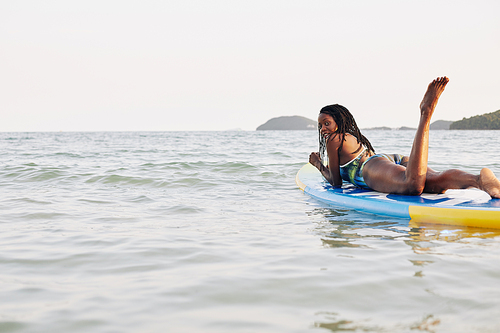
(332, 148)
(332, 172)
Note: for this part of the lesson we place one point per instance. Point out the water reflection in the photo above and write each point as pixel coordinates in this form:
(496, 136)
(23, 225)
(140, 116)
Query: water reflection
(449, 233)
(427, 324)
(333, 323)
(345, 228)
(420, 265)
(391, 258)
(339, 242)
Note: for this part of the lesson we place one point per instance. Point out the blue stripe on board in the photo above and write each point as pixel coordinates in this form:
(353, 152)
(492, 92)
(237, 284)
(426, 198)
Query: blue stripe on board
(395, 209)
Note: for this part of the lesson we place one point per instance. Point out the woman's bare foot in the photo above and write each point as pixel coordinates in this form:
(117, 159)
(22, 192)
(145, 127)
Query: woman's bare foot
(489, 183)
(431, 96)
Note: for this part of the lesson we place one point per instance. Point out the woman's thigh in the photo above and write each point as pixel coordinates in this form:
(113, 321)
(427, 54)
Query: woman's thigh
(433, 182)
(383, 175)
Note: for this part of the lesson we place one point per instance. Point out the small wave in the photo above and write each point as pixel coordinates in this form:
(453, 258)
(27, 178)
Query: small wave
(42, 216)
(114, 179)
(31, 201)
(140, 199)
(117, 179)
(201, 165)
(233, 167)
(184, 209)
(10, 138)
(72, 155)
(99, 202)
(33, 175)
(273, 175)
(184, 165)
(191, 182)
(11, 326)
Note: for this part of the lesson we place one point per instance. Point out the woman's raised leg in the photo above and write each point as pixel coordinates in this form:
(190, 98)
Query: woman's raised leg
(414, 177)
(384, 176)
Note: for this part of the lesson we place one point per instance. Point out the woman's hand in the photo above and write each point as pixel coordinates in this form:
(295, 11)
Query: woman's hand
(315, 160)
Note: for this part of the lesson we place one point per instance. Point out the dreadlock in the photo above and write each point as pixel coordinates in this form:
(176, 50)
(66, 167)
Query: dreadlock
(346, 124)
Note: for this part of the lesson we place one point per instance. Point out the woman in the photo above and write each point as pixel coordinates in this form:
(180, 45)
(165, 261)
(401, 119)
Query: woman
(352, 158)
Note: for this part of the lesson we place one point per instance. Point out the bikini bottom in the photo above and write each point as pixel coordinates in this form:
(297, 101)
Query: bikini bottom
(353, 172)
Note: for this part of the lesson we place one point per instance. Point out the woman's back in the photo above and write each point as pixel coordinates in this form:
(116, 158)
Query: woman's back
(350, 149)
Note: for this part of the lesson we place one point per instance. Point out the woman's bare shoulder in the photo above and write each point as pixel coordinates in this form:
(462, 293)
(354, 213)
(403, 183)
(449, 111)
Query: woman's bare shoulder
(334, 139)
(350, 138)
(351, 143)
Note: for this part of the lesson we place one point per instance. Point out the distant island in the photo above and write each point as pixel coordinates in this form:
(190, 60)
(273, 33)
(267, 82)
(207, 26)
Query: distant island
(287, 123)
(380, 128)
(290, 123)
(441, 125)
(385, 128)
(487, 121)
(437, 125)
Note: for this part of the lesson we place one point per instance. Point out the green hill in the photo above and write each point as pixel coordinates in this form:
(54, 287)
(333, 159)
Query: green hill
(487, 121)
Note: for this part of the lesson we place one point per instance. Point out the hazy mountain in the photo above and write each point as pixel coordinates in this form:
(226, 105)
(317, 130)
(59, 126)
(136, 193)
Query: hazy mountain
(289, 123)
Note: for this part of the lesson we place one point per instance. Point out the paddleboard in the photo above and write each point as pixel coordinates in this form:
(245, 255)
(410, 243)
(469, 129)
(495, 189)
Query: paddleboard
(471, 207)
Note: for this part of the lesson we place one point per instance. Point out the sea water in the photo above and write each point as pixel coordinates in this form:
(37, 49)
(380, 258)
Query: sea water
(207, 232)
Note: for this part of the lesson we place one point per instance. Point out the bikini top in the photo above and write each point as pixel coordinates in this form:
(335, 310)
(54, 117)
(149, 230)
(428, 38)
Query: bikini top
(357, 157)
(349, 170)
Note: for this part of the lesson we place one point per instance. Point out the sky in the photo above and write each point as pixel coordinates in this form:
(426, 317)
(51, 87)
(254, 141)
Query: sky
(197, 65)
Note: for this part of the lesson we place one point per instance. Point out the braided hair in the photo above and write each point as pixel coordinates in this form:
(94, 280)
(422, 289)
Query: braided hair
(345, 124)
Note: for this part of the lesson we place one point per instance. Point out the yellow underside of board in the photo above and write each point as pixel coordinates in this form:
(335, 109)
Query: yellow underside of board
(300, 184)
(453, 216)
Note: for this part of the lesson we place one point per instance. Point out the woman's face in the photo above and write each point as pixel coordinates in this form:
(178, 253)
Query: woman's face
(327, 126)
